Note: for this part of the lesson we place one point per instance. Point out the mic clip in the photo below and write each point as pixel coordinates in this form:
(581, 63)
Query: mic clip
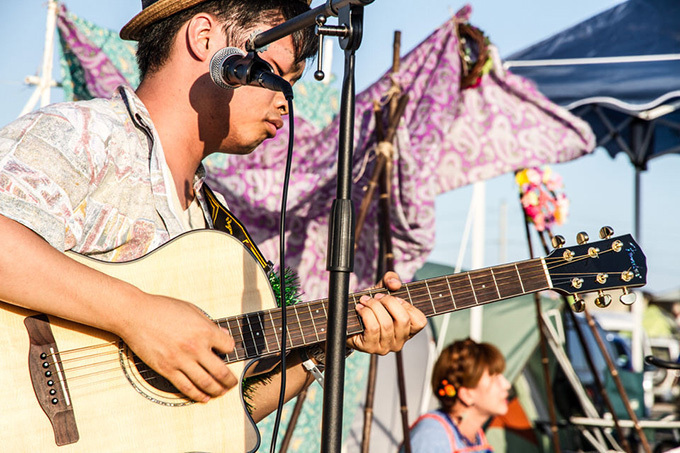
(239, 67)
(231, 68)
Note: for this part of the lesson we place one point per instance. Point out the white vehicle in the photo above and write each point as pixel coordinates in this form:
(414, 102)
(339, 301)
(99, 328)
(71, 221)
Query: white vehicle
(624, 325)
(665, 381)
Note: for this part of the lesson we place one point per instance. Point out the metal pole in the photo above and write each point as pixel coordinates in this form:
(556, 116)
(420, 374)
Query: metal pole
(341, 244)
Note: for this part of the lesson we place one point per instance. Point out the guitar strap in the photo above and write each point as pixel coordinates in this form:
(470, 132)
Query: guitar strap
(223, 220)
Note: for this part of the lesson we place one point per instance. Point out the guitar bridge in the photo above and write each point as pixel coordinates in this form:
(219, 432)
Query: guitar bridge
(49, 381)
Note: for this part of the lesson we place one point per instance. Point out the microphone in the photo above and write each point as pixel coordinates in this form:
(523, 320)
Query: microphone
(231, 68)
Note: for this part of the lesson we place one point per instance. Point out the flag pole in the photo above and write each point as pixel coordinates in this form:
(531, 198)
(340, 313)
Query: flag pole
(44, 82)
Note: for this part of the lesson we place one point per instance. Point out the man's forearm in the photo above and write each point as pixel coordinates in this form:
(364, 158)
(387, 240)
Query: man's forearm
(265, 397)
(38, 277)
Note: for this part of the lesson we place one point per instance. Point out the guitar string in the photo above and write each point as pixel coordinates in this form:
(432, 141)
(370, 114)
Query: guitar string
(72, 376)
(538, 272)
(307, 338)
(311, 321)
(432, 285)
(498, 274)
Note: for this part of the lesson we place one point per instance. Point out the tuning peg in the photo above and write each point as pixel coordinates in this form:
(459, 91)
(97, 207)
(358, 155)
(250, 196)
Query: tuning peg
(558, 241)
(606, 232)
(579, 304)
(603, 300)
(627, 298)
(582, 238)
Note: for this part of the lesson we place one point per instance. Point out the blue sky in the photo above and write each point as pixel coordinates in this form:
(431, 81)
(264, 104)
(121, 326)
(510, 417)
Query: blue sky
(600, 188)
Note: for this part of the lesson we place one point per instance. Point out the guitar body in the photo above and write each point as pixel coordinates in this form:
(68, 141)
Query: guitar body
(114, 405)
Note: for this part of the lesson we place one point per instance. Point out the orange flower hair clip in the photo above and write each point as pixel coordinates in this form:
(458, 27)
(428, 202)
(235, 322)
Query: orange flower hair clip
(446, 389)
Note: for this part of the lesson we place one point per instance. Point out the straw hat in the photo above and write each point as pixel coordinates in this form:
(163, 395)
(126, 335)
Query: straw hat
(155, 10)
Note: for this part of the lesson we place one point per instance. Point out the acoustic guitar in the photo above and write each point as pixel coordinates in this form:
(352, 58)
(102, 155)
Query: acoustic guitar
(68, 387)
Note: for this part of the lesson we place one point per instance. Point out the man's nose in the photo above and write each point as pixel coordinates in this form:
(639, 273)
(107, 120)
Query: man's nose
(281, 103)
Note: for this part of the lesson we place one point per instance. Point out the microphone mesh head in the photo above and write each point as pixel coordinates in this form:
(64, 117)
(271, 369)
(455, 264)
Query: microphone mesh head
(217, 62)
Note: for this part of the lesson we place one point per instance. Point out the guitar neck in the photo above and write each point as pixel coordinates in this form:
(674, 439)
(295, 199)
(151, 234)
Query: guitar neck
(259, 334)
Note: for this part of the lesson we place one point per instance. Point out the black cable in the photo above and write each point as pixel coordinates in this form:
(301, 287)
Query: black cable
(282, 267)
(659, 363)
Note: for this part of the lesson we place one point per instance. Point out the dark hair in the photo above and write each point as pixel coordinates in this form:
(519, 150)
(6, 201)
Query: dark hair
(462, 364)
(238, 16)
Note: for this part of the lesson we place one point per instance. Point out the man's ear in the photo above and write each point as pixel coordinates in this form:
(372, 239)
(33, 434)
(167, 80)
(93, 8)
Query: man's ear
(203, 36)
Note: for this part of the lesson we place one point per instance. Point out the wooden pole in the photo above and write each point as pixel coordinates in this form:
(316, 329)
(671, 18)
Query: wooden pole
(544, 357)
(297, 410)
(589, 360)
(617, 380)
(370, 401)
(382, 177)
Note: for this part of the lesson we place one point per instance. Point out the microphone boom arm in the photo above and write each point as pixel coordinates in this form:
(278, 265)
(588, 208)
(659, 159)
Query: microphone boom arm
(308, 19)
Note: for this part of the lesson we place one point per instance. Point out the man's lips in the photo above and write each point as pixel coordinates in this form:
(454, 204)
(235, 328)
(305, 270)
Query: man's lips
(277, 122)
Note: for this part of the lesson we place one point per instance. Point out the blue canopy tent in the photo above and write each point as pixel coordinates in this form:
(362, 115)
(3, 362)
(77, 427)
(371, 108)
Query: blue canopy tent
(620, 72)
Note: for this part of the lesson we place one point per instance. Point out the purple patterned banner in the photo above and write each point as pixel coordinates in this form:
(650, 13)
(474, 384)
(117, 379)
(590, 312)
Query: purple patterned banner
(94, 59)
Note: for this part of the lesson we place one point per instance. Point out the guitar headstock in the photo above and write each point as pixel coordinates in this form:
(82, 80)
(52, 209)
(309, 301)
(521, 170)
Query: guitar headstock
(612, 263)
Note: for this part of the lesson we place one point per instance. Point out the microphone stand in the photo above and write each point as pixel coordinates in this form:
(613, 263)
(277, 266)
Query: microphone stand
(340, 261)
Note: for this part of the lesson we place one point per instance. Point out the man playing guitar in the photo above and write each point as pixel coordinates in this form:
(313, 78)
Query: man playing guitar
(117, 178)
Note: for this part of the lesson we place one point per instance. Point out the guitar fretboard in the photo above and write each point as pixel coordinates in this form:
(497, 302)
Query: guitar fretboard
(259, 334)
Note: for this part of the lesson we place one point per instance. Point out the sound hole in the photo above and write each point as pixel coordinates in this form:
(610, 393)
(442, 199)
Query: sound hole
(152, 378)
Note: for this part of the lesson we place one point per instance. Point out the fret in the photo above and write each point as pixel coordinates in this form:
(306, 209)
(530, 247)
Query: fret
(483, 286)
(460, 286)
(440, 294)
(290, 339)
(409, 297)
(354, 324)
(325, 315)
(519, 277)
(255, 330)
(544, 266)
(306, 323)
(311, 317)
(238, 339)
(293, 334)
(509, 283)
(532, 275)
(279, 328)
(419, 296)
(472, 286)
(495, 283)
(429, 295)
(453, 299)
(299, 323)
(231, 332)
(319, 319)
(276, 334)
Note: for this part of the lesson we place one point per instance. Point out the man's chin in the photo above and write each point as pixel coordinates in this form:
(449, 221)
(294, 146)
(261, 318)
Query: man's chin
(241, 151)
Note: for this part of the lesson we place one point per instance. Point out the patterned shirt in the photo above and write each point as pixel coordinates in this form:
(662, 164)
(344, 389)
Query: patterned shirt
(91, 177)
